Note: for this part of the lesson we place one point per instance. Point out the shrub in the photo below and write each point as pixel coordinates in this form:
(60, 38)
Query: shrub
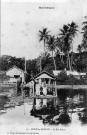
(62, 78)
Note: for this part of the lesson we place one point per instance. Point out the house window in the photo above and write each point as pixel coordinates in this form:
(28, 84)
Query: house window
(52, 81)
(43, 79)
(16, 76)
(47, 80)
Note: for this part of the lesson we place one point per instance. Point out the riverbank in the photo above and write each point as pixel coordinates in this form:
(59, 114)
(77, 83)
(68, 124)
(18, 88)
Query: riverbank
(20, 100)
(69, 86)
(15, 100)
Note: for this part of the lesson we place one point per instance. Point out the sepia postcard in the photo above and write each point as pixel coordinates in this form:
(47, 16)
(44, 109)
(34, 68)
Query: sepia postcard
(43, 67)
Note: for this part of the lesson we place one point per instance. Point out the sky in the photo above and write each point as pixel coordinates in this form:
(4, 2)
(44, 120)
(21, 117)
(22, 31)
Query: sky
(21, 22)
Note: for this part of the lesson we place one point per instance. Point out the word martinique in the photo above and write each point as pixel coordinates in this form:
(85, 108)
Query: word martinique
(46, 7)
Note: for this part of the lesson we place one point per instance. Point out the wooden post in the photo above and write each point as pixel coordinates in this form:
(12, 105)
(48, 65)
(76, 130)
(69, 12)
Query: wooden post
(22, 92)
(33, 88)
(16, 88)
(55, 89)
(33, 104)
(22, 89)
(54, 103)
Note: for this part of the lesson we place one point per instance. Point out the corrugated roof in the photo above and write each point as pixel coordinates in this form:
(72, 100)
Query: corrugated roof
(45, 72)
(56, 72)
(16, 68)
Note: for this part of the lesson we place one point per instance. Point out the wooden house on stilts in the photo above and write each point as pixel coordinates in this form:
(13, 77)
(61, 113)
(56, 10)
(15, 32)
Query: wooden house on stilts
(43, 82)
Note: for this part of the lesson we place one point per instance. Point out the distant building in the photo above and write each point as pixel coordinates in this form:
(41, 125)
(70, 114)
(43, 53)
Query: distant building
(56, 72)
(76, 74)
(15, 73)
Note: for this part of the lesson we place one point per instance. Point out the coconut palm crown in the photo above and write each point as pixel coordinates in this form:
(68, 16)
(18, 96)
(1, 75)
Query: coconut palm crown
(43, 36)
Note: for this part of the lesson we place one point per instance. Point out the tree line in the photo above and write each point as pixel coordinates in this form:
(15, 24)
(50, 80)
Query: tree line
(62, 44)
(58, 52)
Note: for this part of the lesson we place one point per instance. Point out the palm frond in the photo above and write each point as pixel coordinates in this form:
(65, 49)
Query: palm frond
(62, 32)
(41, 32)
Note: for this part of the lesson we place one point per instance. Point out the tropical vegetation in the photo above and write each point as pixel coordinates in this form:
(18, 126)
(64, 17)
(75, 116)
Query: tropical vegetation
(58, 52)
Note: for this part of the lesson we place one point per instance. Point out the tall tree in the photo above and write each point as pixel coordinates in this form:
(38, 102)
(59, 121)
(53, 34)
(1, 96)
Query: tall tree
(59, 45)
(45, 61)
(68, 34)
(64, 33)
(43, 35)
(73, 29)
(52, 48)
(84, 31)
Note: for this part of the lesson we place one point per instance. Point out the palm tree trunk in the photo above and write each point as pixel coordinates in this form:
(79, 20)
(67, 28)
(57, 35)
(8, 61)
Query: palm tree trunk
(62, 57)
(40, 65)
(44, 46)
(69, 62)
(72, 58)
(54, 63)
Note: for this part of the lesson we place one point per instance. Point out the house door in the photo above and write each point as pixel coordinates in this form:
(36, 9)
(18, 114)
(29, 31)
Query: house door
(41, 90)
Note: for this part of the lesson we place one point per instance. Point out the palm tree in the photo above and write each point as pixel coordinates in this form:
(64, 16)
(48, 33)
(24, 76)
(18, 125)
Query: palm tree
(43, 35)
(79, 49)
(73, 29)
(52, 47)
(59, 45)
(66, 42)
(42, 61)
(68, 34)
(84, 31)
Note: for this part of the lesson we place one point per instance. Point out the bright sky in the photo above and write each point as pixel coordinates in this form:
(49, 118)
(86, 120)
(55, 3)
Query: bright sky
(21, 22)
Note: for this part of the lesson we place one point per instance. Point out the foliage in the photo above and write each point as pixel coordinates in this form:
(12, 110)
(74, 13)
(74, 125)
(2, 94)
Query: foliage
(68, 34)
(80, 61)
(43, 61)
(84, 31)
(60, 64)
(9, 61)
(43, 36)
(49, 68)
(52, 47)
(79, 48)
(31, 67)
(64, 79)
(62, 54)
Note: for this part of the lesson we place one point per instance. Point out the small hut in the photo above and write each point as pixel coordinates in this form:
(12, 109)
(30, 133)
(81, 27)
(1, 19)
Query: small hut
(41, 81)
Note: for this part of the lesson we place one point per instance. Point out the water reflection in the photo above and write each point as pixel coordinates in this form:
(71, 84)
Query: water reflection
(50, 112)
(63, 109)
(69, 108)
(8, 103)
(3, 104)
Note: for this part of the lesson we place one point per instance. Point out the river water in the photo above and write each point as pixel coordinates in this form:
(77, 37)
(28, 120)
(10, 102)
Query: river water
(66, 114)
